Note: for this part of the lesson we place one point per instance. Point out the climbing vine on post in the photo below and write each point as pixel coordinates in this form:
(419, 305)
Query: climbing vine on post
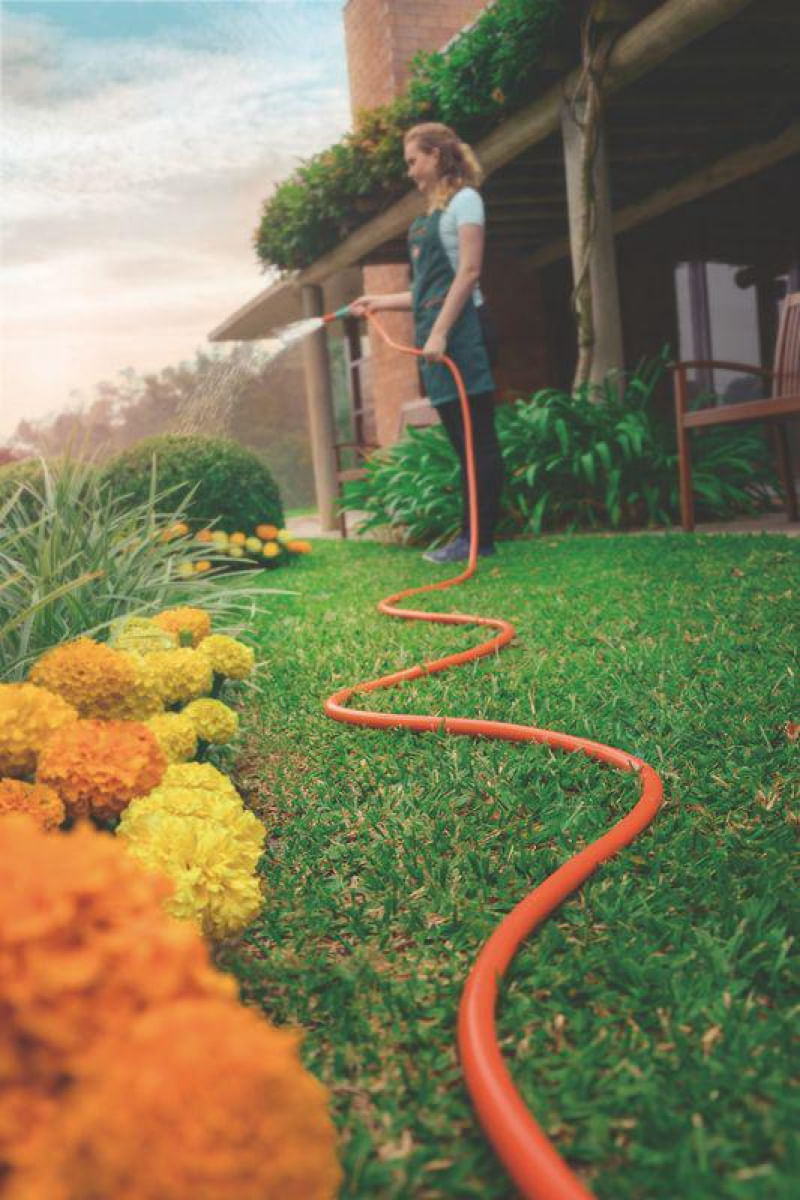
(586, 106)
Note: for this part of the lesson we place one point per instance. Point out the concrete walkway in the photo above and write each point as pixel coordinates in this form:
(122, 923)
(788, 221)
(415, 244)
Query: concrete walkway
(309, 527)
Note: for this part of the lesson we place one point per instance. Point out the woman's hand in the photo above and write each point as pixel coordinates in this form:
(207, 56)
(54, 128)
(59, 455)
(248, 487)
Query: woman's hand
(365, 304)
(435, 347)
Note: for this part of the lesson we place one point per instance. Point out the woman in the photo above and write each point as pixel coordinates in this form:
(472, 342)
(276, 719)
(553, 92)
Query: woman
(446, 248)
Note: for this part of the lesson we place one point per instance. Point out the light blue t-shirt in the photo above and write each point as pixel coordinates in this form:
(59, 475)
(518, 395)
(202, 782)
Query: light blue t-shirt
(465, 208)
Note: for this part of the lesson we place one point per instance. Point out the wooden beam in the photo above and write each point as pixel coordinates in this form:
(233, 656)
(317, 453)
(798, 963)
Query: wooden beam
(666, 30)
(719, 174)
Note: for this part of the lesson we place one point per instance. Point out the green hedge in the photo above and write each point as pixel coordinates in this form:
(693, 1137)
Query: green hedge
(571, 463)
(490, 70)
(233, 487)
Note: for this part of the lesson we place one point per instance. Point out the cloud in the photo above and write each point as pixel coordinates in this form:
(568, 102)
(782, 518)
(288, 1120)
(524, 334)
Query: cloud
(136, 169)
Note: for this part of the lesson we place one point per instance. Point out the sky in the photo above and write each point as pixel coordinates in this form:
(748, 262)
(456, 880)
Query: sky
(140, 139)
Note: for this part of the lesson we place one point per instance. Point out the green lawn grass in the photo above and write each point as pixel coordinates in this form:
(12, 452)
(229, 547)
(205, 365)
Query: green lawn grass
(648, 1022)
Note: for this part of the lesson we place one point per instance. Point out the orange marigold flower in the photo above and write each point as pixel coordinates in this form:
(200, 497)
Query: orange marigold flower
(216, 1095)
(98, 767)
(266, 532)
(299, 547)
(202, 565)
(84, 945)
(271, 550)
(98, 680)
(179, 529)
(28, 716)
(37, 799)
(192, 621)
(238, 538)
(203, 535)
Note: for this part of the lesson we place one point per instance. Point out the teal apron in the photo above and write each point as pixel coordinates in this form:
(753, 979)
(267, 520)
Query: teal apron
(432, 276)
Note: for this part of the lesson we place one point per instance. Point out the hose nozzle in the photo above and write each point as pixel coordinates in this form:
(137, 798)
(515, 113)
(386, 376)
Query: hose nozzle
(340, 314)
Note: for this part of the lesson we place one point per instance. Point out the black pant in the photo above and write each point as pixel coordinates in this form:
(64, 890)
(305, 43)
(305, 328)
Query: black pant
(488, 460)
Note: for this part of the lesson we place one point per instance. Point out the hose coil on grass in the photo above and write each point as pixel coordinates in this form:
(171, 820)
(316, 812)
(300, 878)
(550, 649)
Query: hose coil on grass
(527, 1154)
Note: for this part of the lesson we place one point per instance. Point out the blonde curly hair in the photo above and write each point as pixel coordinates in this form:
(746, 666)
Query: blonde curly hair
(458, 166)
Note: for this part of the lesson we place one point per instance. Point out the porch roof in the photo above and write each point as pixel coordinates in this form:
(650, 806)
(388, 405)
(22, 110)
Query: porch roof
(699, 93)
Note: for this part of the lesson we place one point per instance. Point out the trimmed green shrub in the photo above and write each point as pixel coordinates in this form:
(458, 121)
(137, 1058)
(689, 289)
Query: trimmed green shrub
(233, 488)
(571, 463)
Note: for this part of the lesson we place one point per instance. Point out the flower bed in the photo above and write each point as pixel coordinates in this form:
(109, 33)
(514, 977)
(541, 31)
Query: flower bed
(104, 995)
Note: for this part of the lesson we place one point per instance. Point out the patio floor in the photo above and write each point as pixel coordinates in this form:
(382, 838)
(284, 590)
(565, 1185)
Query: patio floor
(309, 527)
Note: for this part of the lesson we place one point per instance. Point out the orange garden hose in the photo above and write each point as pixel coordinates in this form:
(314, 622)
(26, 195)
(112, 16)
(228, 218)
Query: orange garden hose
(529, 1157)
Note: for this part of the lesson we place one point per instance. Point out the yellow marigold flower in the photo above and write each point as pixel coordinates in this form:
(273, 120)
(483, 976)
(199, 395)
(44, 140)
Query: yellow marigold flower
(202, 776)
(253, 544)
(211, 802)
(182, 674)
(193, 621)
(267, 532)
(238, 539)
(93, 677)
(219, 538)
(35, 799)
(84, 945)
(175, 734)
(208, 844)
(185, 570)
(98, 767)
(141, 635)
(235, 552)
(197, 1099)
(271, 549)
(228, 656)
(28, 716)
(213, 720)
(284, 535)
(143, 699)
(299, 546)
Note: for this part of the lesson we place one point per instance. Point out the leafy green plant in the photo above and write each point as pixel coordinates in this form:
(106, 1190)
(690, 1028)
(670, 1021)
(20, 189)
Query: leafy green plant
(601, 458)
(87, 557)
(218, 482)
(490, 69)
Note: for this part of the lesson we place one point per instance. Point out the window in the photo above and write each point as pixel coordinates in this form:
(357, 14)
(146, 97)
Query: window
(718, 318)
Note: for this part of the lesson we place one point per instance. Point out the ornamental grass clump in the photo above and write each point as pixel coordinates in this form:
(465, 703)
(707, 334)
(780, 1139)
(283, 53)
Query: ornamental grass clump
(98, 767)
(198, 1100)
(29, 715)
(208, 845)
(78, 554)
(38, 800)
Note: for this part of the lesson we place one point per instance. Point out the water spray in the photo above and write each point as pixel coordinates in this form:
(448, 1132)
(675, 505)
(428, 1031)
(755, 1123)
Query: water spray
(527, 1154)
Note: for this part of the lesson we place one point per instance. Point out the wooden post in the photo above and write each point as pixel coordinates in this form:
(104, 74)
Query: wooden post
(319, 397)
(607, 352)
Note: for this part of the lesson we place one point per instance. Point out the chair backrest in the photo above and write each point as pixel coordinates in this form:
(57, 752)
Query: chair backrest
(786, 367)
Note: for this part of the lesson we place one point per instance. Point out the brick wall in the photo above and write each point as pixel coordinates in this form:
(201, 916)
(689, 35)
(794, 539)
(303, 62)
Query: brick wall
(382, 36)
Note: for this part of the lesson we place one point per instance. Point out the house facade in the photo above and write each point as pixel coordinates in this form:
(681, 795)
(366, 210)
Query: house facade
(697, 180)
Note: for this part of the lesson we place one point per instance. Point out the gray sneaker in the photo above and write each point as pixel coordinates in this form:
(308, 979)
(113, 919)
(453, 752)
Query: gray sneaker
(456, 551)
